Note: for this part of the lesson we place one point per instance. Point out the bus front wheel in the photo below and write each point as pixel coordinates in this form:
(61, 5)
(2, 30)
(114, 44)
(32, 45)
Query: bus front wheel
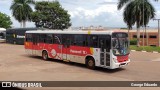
(90, 63)
(45, 55)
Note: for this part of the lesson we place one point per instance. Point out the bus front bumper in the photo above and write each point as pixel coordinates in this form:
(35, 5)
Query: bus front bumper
(2, 40)
(119, 65)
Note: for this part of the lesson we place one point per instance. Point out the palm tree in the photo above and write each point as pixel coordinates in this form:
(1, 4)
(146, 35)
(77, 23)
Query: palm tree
(133, 13)
(21, 10)
(128, 17)
(149, 14)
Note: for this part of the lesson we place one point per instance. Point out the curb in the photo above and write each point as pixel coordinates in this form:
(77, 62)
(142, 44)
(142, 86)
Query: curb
(145, 51)
(133, 50)
(155, 52)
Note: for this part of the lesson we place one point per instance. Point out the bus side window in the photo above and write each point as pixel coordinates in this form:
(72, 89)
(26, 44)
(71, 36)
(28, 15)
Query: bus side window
(108, 43)
(49, 39)
(85, 43)
(87, 40)
(25, 38)
(42, 38)
(28, 37)
(72, 39)
(79, 40)
(1, 35)
(66, 40)
(73, 42)
(93, 41)
(57, 39)
(34, 39)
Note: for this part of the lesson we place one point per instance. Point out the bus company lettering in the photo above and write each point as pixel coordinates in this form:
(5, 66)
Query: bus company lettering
(78, 52)
(20, 36)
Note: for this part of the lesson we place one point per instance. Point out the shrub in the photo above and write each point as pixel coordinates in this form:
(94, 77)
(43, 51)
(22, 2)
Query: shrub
(133, 42)
(146, 48)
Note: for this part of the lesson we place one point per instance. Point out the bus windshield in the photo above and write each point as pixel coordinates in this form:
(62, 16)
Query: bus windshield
(120, 46)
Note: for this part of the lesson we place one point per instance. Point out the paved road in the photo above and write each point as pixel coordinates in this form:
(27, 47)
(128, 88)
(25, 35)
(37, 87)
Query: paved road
(16, 65)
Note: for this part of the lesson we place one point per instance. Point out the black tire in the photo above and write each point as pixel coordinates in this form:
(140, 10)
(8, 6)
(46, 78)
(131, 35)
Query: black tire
(90, 63)
(45, 55)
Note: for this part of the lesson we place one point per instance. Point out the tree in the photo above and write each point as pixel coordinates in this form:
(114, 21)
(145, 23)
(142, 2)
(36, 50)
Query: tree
(133, 13)
(51, 15)
(21, 10)
(5, 21)
(127, 14)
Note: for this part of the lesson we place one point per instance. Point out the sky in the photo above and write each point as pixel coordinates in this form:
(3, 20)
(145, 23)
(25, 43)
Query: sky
(87, 13)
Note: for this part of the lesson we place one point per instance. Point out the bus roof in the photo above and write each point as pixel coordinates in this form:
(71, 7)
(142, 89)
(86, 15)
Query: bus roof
(2, 29)
(71, 32)
(22, 29)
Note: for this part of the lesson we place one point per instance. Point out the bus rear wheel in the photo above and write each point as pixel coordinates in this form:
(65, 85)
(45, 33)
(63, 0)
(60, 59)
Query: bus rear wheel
(90, 63)
(45, 55)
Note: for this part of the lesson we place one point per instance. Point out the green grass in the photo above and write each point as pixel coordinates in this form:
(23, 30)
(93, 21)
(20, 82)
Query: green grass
(146, 48)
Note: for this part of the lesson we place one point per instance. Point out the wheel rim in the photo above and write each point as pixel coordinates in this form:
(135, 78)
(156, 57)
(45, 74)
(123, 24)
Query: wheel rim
(90, 63)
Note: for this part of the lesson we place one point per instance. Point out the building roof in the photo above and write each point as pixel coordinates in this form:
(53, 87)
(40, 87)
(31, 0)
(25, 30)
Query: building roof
(141, 30)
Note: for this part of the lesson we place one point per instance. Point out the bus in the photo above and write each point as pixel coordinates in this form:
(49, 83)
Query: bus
(2, 34)
(107, 49)
(16, 35)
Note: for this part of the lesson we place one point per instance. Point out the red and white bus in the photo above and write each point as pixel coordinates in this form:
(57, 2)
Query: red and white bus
(107, 49)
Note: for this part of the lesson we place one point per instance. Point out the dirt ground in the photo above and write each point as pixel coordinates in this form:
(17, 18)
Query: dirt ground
(16, 65)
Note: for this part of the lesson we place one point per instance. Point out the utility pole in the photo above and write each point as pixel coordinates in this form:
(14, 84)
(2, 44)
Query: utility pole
(158, 32)
(143, 24)
(146, 33)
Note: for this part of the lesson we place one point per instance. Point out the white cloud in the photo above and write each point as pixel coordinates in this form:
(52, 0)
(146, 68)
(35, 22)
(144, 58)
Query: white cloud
(92, 13)
(105, 15)
(5, 1)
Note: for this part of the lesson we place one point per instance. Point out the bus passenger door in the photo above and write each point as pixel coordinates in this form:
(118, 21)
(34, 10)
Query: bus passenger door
(104, 45)
(35, 44)
(66, 47)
